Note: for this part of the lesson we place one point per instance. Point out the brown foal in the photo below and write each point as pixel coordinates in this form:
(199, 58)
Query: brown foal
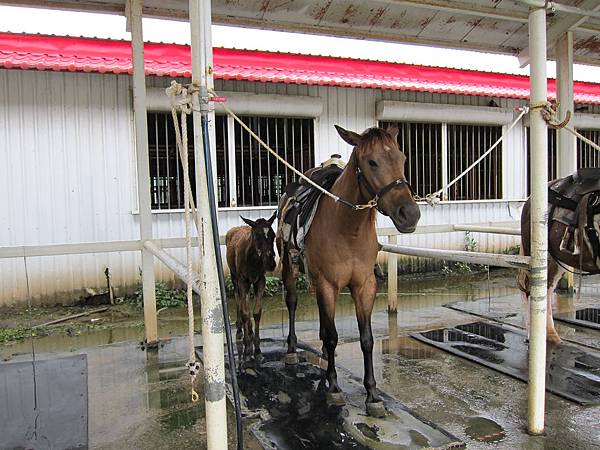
(249, 256)
(341, 247)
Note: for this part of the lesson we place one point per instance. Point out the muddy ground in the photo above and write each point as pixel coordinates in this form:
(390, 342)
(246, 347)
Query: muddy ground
(140, 399)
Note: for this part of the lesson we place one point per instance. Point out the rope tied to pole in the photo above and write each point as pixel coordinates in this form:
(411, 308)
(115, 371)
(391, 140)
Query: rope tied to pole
(549, 114)
(370, 204)
(184, 105)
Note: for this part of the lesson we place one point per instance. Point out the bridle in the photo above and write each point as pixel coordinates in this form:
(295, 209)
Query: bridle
(376, 195)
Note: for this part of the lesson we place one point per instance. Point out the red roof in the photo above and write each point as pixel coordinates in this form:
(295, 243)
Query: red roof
(25, 51)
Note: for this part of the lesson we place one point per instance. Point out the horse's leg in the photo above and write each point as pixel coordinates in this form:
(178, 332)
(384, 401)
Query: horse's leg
(555, 273)
(364, 297)
(291, 298)
(326, 297)
(259, 290)
(243, 289)
(238, 320)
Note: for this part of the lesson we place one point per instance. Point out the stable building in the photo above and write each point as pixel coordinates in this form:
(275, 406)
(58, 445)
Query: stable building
(67, 151)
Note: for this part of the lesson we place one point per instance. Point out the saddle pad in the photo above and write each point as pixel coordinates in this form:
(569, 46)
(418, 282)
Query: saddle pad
(300, 215)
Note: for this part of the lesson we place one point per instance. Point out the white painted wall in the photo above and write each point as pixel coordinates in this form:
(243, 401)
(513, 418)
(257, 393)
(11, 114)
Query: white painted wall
(67, 174)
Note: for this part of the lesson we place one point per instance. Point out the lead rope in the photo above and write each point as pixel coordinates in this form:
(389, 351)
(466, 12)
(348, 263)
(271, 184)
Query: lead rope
(434, 197)
(181, 137)
(370, 204)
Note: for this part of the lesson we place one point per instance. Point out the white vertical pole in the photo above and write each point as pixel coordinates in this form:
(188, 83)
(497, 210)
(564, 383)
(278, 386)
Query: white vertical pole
(143, 168)
(539, 230)
(212, 311)
(567, 157)
(392, 270)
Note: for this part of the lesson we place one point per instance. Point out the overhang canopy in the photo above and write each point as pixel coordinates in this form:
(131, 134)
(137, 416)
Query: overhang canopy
(25, 51)
(498, 26)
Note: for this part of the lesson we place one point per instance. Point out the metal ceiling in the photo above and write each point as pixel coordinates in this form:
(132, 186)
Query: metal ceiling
(498, 26)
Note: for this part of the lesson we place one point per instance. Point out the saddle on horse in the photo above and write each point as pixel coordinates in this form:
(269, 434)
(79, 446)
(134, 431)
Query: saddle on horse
(301, 201)
(575, 202)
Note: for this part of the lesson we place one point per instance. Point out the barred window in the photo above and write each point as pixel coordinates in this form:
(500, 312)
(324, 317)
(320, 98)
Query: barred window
(435, 151)
(552, 156)
(588, 156)
(422, 145)
(166, 172)
(466, 143)
(260, 178)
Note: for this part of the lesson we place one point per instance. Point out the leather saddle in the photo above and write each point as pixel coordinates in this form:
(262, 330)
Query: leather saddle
(575, 202)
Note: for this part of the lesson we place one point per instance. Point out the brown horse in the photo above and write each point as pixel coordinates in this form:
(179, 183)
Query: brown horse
(559, 258)
(341, 247)
(249, 256)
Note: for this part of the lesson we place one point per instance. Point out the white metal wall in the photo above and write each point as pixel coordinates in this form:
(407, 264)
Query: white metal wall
(67, 174)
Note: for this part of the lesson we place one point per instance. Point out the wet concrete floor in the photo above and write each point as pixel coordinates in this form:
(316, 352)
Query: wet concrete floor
(140, 399)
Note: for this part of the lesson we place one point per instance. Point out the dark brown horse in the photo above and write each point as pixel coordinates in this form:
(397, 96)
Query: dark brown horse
(249, 256)
(559, 258)
(341, 247)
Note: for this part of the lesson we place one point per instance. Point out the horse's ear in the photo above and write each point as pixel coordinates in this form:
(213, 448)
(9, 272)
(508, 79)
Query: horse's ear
(272, 218)
(350, 137)
(252, 223)
(393, 131)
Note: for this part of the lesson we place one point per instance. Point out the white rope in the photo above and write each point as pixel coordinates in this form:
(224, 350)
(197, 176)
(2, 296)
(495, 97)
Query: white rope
(582, 137)
(370, 204)
(435, 197)
(182, 144)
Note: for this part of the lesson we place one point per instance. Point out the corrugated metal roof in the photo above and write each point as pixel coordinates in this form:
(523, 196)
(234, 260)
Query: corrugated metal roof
(24, 51)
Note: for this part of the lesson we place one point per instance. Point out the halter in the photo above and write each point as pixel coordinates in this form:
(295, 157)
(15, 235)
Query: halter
(362, 180)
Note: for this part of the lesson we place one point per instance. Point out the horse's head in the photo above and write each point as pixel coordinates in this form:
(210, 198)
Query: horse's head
(263, 238)
(380, 170)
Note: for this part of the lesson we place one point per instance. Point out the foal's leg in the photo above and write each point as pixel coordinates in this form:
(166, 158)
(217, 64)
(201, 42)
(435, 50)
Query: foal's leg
(364, 297)
(259, 290)
(326, 297)
(291, 297)
(238, 300)
(243, 288)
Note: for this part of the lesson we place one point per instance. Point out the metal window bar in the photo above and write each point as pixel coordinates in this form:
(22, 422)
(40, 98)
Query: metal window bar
(587, 156)
(552, 156)
(466, 143)
(260, 178)
(166, 174)
(422, 145)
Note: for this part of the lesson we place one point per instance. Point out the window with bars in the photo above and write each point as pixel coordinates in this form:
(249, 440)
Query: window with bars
(259, 177)
(587, 156)
(428, 145)
(166, 173)
(552, 147)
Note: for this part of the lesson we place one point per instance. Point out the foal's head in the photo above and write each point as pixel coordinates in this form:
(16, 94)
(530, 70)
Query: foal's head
(263, 238)
(380, 168)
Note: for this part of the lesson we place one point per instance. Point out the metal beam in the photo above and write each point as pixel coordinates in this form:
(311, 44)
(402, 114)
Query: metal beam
(488, 259)
(143, 169)
(560, 27)
(539, 225)
(211, 308)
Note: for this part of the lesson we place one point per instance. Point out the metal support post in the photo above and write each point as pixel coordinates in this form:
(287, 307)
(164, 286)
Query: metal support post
(212, 311)
(143, 168)
(392, 274)
(566, 160)
(539, 226)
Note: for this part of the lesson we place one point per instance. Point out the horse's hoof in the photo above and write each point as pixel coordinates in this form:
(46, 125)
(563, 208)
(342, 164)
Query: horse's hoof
(258, 357)
(291, 359)
(554, 338)
(376, 409)
(335, 399)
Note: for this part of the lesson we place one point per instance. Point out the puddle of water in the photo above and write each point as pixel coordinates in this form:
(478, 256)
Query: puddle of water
(485, 430)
